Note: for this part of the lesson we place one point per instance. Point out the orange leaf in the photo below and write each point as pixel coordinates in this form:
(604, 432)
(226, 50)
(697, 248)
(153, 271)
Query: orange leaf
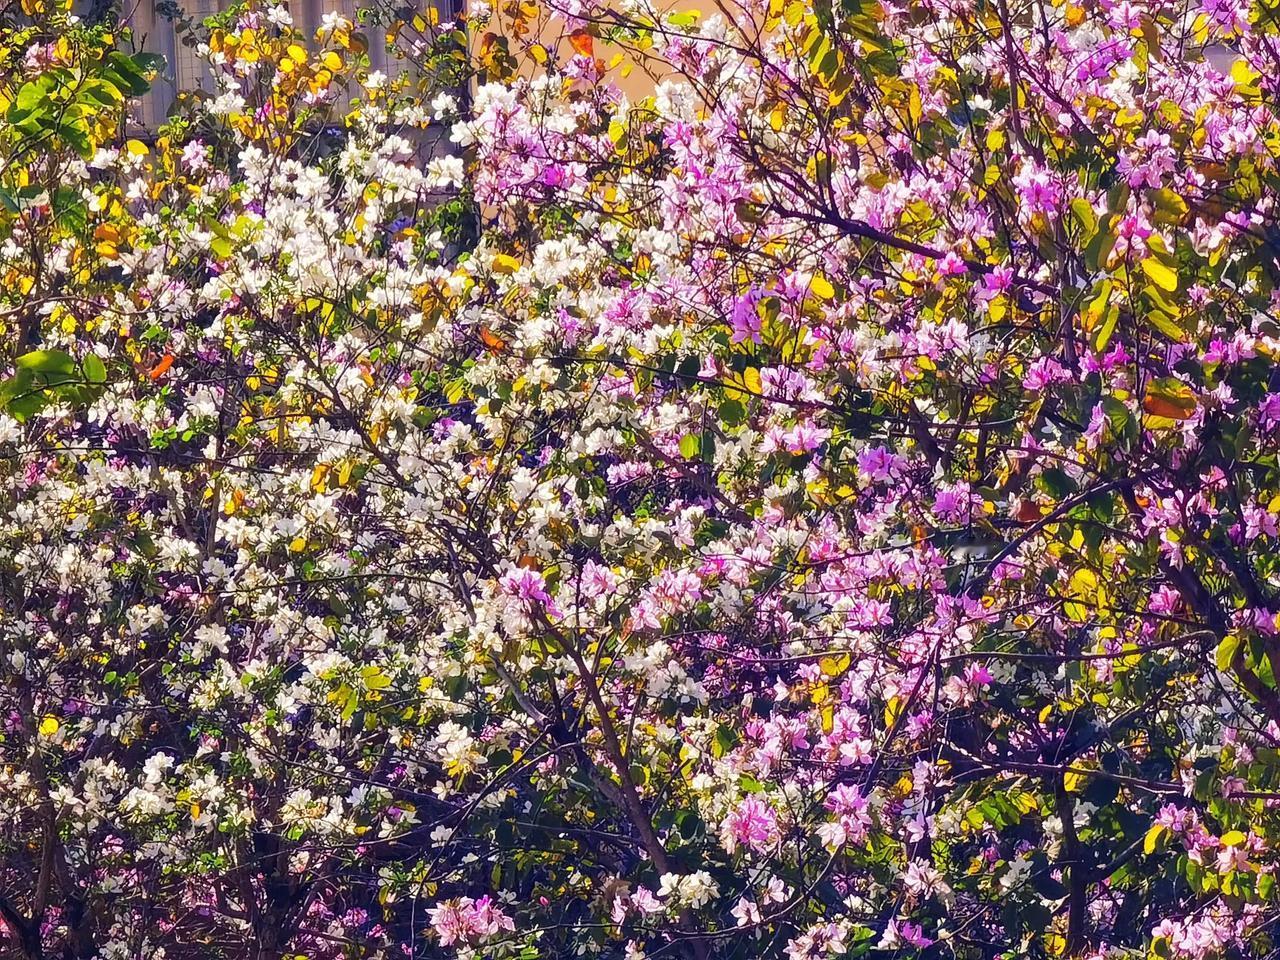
(1164, 407)
(158, 371)
(1169, 397)
(581, 41)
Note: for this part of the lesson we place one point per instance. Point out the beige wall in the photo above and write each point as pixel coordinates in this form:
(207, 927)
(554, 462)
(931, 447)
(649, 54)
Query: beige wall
(646, 70)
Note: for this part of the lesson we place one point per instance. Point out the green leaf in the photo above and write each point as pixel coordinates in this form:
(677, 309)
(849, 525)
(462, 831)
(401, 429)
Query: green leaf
(95, 371)
(1166, 325)
(221, 247)
(732, 412)
(23, 407)
(47, 362)
(127, 74)
(725, 740)
(70, 210)
(102, 92)
(149, 62)
(1099, 248)
(76, 134)
(1118, 197)
(1170, 207)
(144, 544)
(1083, 212)
(22, 382)
(1226, 652)
(1106, 328)
(30, 105)
(690, 444)
(1160, 312)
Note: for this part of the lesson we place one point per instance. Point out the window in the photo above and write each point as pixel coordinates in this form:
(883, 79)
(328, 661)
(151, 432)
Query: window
(189, 70)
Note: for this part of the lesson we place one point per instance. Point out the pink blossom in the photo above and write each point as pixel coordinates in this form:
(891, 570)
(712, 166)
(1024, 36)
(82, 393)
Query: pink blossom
(745, 318)
(464, 920)
(752, 824)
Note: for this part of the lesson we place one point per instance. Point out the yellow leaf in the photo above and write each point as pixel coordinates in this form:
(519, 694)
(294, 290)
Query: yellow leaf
(834, 666)
(997, 308)
(1159, 274)
(1083, 584)
(891, 711)
(821, 286)
(1242, 73)
(1073, 782)
(1155, 836)
(504, 264)
(1025, 802)
(751, 380)
(318, 477)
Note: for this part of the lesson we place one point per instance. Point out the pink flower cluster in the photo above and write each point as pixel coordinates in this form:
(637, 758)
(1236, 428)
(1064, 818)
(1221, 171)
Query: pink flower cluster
(464, 920)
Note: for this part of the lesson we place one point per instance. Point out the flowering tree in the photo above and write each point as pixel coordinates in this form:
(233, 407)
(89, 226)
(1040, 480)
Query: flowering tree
(825, 506)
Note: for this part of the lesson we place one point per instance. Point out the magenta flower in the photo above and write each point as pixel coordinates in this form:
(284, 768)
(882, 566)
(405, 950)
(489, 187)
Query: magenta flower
(1044, 372)
(752, 824)
(881, 465)
(745, 317)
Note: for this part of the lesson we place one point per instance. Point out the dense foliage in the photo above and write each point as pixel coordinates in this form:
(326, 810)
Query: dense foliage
(822, 502)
